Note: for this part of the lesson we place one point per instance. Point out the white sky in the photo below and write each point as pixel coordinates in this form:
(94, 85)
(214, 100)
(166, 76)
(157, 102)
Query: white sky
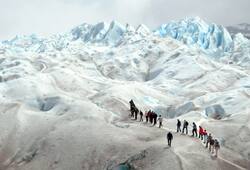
(45, 17)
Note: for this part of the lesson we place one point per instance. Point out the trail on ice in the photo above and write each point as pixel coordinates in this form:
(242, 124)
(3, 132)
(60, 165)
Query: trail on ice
(219, 157)
(231, 163)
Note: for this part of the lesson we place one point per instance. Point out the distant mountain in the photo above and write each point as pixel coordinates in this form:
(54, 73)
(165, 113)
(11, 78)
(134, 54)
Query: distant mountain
(243, 28)
(211, 38)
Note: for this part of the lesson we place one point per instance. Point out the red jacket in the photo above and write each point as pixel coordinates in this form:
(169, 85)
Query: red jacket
(201, 131)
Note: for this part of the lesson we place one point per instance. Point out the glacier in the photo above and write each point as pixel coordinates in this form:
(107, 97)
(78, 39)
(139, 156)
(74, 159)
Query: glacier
(195, 31)
(64, 98)
(213, 38)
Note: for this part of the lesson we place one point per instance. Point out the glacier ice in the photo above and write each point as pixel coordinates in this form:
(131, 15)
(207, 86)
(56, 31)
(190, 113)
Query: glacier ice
(115, 33)
(143, 30)
(215, 111)
(195, 31)
(69, 93)
(211, 38)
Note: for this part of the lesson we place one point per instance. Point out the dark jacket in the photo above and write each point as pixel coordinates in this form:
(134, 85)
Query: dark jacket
(194, 126)
(169, 136)
(212, 142)
(178, 123)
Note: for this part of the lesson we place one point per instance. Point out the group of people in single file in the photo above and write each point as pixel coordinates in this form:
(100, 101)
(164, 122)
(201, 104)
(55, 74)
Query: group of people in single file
(210, 142)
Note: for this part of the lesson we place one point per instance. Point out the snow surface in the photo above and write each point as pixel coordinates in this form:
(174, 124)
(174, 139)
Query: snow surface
(64, 99)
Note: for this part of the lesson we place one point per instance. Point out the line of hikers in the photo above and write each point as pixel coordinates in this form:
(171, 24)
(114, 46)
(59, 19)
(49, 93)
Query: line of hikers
(151, 116)
(208, 140)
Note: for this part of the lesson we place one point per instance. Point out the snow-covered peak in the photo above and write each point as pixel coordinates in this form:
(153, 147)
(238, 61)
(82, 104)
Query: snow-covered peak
(130, 28)
(97, 32)
(103, 32)
(143, 30)
(191, 31)
(115, 33)
(24, 40)
(211, 38)
(80, 31)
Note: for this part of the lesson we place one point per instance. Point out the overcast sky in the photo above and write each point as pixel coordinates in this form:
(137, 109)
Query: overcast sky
(45, 17)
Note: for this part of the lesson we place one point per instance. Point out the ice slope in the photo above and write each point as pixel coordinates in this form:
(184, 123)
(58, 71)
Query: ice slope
(241, 53)
(66, 107)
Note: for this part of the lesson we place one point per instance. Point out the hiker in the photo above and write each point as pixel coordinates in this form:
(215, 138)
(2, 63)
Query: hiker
(194, 131)
(155, 118)
(185, 126)
(211, 146)
(178, 125)
(132, 112)
(209, 138)
(150, 115)
(201, 132)
(216, 147)
(160, 121)
(205, 136)
(141, 115)
(136, 112)
(170, 138)
(146, 114)
(132, 104)
(132, 107)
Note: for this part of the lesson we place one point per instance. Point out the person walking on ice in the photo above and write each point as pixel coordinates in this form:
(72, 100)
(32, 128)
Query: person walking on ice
(146, 115)
(201, 132)
(155, 118)
(205, 136)
(160, 121)
(185, 126)
(136, 112)
(194, 131)
(150, 115)
(169, 138)
(209, 138)
(216, 147)
(178, 125)
(211, 146)
(141, 115)
(132, 107)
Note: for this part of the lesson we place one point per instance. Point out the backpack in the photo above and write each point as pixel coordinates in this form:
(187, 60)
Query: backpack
(216, 144)
(194, 126)
(212, 142)
(209, 138)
